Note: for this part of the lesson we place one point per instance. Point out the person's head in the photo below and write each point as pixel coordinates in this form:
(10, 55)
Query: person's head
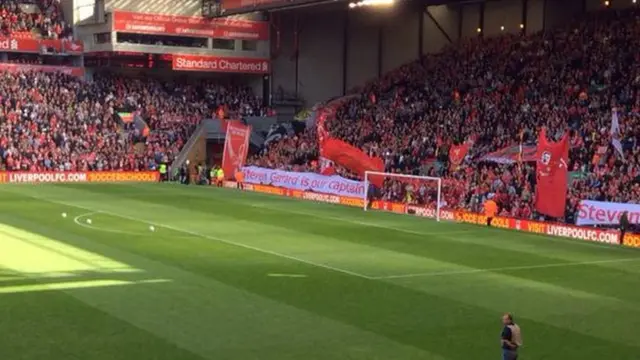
(507, 319)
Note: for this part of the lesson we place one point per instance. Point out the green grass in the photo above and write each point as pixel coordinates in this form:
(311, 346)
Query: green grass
(231, 275)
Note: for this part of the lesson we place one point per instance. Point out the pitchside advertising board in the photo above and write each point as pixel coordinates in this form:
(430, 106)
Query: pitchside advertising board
(79, 177)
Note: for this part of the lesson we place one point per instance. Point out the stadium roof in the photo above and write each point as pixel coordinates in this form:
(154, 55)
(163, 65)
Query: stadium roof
(286, 5)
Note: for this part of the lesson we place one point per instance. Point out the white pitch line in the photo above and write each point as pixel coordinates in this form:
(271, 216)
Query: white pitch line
(78, 222)
(506, 268)
(96, 228)
(287, 275)
(226, 241)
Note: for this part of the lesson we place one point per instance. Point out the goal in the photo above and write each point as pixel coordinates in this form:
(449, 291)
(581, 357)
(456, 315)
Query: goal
(406, 192)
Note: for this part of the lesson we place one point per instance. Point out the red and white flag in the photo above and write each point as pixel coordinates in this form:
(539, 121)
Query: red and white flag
(236, 147)
(457, 153)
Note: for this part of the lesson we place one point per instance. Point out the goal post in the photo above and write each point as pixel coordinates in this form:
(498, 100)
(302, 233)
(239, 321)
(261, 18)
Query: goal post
(420, 191)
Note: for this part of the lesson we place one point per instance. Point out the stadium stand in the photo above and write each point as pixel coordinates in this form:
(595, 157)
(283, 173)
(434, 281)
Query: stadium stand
(494, 93)
(33, 19)
(498, 92)
(57, 122)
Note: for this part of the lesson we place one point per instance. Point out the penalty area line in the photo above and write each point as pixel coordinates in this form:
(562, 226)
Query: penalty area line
(287, 275)
(506, 268)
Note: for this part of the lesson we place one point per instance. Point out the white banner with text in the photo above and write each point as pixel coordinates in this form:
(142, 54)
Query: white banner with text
(592, 212)
(334, 185)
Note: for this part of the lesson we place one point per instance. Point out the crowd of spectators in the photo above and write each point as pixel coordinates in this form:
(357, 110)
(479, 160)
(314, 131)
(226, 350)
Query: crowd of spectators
(294, 153)
(33, 18)
(498, 92)
(55, 122)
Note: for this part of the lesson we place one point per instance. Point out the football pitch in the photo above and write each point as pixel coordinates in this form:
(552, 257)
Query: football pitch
(163, 271)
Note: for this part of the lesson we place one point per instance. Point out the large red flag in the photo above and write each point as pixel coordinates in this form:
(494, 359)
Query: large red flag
(236, 147)
(552, 160)
(340, 153)
(350, 157)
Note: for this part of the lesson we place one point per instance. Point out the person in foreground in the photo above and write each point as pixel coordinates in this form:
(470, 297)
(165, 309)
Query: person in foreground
(511, 338)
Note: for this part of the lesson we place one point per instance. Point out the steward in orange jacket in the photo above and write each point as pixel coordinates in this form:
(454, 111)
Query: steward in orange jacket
(490, 210)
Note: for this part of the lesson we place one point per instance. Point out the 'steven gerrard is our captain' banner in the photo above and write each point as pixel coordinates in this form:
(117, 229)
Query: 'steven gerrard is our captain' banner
(191, 26)
(334, 185)
(606, 213)
(79, 176)
(219, 64)
(236, 147)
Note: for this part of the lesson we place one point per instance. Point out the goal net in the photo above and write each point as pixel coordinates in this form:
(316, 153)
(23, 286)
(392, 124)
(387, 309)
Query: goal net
(409, 194)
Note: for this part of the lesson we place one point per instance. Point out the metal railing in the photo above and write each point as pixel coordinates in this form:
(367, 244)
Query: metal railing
(186, 149)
